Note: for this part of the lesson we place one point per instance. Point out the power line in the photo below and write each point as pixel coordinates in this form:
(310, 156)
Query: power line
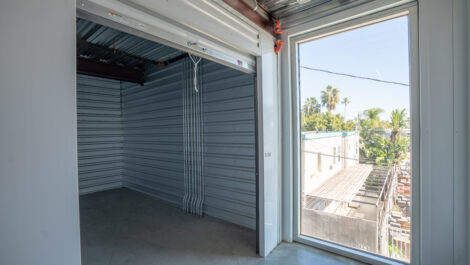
(371, 162)
(354, 76)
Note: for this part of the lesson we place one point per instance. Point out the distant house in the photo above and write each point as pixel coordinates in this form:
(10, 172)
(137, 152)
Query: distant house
(326, 153)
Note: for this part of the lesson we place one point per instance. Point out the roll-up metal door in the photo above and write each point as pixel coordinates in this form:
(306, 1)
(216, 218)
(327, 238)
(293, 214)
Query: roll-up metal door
(203, 28)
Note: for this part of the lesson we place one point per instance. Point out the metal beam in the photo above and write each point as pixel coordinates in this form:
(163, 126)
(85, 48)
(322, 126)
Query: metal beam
(105, 70)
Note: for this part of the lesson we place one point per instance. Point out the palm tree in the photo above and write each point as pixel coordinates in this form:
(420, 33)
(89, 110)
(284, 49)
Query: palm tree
(330, 97)
(398, 122)
(311, 106)
(373, 113)
(346, 102)
(372, 118)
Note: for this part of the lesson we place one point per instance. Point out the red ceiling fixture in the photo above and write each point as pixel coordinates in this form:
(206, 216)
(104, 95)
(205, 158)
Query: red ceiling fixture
(278, 34)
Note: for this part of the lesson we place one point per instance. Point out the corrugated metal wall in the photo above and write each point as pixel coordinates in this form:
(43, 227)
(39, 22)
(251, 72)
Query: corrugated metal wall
(230, 161)
(152, 125)
(99, 134)
(153, 136)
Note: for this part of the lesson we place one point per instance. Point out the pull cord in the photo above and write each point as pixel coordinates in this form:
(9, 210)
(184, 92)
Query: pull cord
(196, 62)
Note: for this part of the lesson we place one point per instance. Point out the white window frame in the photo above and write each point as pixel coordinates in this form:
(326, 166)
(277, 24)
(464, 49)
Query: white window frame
(409, 9)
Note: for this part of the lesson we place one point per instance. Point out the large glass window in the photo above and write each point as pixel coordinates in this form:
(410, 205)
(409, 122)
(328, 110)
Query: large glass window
(355, 144)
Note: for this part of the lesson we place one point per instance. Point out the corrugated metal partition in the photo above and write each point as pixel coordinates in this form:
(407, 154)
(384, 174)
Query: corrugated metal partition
(230, 155)
(99, 134)
(153, 136)
(153, 140)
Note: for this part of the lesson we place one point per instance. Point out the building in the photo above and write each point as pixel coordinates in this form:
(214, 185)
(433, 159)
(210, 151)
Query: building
(63, 135)
(326, 153)
(337, 192)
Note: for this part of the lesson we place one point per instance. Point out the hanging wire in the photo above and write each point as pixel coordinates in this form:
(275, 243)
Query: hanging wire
(196, 62)
(193, 138)
(185, 134)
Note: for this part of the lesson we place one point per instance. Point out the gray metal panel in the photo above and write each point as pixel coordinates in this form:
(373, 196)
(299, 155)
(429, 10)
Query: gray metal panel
(99, 134)
(152, 126)
(229, 129)
(153, 157)
(284, 8)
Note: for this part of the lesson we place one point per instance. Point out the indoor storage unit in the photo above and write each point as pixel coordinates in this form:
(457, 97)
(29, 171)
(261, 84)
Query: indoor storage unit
(151, 123)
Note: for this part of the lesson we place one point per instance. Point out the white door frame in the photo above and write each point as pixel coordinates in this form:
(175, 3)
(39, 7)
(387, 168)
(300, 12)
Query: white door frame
(291, 185)
(269, 148)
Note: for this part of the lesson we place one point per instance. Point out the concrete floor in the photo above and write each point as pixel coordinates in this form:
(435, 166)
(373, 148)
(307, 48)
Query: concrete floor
(125, 227)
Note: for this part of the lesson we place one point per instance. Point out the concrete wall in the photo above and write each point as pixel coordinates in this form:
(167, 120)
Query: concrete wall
(353, 232)
(39, 221)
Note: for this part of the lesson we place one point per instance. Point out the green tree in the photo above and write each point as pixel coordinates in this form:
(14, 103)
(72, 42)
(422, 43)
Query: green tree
(349, 126)
(322, 122)
(375, 147)
(373, 113)
(398, 121)
(330, 97)
(371, 126)
(311, 107)
(345, 102)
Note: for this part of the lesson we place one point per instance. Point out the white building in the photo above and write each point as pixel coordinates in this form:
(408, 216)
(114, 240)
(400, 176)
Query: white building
(326, 153)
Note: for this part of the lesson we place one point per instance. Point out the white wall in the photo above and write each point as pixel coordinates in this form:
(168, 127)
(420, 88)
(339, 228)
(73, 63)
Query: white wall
(39, 222)
(443, 53)
(322, 148)
(269, 144)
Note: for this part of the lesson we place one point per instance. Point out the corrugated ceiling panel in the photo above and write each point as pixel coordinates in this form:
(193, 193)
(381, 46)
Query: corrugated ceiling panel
(153, 158)
(115, 39)
(99, 134)
(296, 12)
(284, 8)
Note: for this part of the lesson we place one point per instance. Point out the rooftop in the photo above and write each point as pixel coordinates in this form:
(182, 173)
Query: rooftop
(344, 185)
(317, 135)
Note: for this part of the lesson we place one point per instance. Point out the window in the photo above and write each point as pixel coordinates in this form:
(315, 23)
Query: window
(359, 78)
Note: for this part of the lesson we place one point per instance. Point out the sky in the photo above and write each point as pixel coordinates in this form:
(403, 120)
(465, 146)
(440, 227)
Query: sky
(377, 51)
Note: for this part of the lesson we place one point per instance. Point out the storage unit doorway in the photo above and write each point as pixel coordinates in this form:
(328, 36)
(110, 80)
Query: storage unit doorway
(153, 132)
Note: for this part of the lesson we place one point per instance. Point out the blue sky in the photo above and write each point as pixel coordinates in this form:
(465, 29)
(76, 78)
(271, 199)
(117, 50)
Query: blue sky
(378, 51)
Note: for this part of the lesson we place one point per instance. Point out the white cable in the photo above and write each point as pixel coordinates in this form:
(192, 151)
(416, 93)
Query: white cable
(256, 5)
(195, 71)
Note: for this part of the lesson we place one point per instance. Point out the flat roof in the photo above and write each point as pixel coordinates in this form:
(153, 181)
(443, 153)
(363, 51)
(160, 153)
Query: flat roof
(317, 135)
(344, 185)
